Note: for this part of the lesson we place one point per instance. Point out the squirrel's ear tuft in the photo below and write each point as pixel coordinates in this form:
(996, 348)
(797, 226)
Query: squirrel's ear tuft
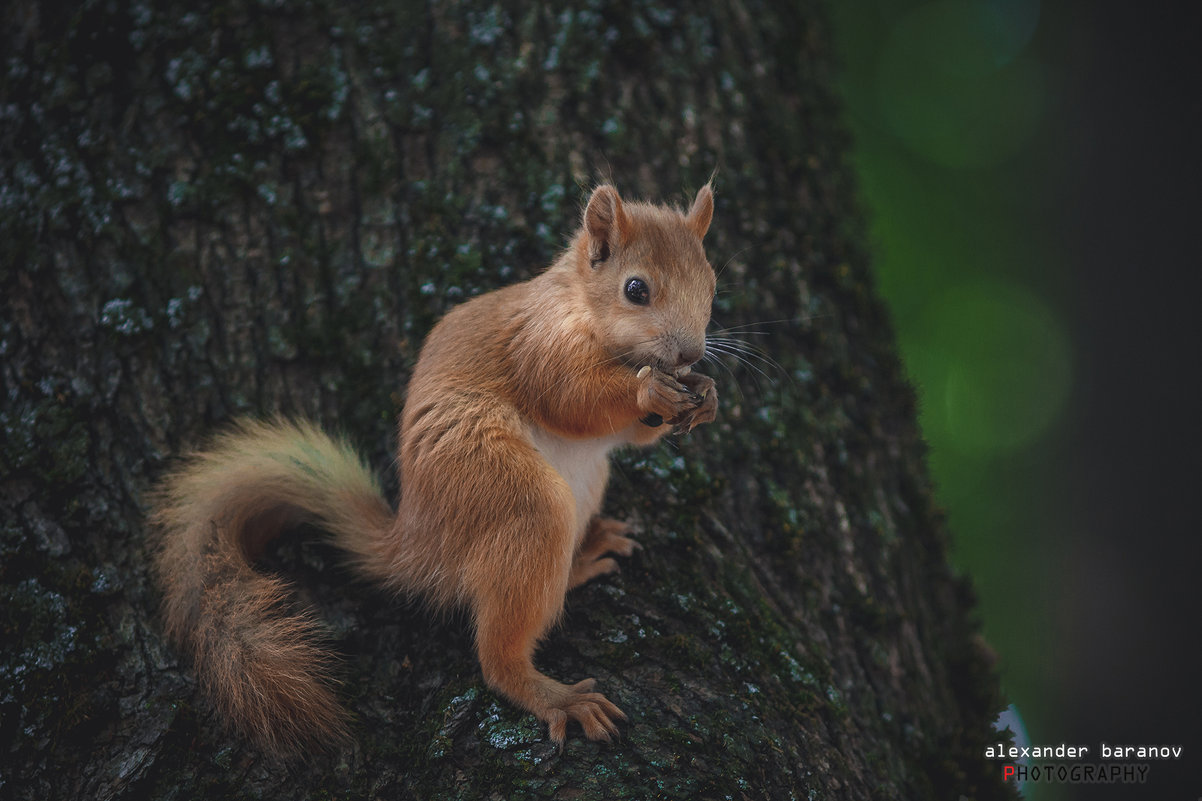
(605, 223)
(702, 212)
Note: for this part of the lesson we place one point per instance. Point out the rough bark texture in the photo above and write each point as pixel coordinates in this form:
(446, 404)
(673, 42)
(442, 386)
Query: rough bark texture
(252, 207)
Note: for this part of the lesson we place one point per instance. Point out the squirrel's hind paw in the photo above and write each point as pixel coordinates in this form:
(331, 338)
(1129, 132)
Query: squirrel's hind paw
(596, 714)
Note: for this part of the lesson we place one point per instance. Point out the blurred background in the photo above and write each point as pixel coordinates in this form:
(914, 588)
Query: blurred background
(1031, 174)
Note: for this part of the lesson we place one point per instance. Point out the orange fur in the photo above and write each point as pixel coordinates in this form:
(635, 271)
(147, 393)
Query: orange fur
(516, 400)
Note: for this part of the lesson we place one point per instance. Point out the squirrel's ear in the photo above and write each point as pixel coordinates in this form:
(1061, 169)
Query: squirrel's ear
(702, 212)
(605, 223)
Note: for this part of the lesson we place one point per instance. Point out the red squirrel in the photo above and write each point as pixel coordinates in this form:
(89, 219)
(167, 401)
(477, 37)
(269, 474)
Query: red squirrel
(517, 399)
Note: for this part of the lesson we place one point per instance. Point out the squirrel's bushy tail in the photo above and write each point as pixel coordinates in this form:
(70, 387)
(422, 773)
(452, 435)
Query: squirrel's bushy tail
(259, 660)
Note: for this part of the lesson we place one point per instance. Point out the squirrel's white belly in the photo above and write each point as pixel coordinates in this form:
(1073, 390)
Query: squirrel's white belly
(583, 464)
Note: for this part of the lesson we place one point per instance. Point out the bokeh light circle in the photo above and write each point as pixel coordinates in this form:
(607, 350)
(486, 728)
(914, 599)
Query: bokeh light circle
(954, 84)
(995, 364)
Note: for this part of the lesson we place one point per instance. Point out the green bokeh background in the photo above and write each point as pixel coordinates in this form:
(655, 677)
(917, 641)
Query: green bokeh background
(954, 106)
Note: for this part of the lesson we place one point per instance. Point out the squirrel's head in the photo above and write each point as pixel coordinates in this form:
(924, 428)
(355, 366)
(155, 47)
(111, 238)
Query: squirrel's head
(648, 282)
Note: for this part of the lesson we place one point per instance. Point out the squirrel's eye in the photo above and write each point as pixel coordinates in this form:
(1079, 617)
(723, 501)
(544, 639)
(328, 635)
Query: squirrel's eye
(637, 291)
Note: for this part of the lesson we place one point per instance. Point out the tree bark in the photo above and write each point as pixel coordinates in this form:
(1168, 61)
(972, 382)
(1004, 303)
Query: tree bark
(254, 207)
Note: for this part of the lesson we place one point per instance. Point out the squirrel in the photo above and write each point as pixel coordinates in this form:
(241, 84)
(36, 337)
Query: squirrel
(517, 398)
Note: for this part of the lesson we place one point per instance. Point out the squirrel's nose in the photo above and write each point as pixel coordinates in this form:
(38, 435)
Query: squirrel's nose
(689, 354)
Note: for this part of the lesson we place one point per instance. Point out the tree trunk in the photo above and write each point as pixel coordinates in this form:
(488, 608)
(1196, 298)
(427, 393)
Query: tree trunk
(258, 207)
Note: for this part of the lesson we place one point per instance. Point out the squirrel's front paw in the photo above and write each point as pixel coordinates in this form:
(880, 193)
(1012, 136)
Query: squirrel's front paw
(662, 396)
(705, 411)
